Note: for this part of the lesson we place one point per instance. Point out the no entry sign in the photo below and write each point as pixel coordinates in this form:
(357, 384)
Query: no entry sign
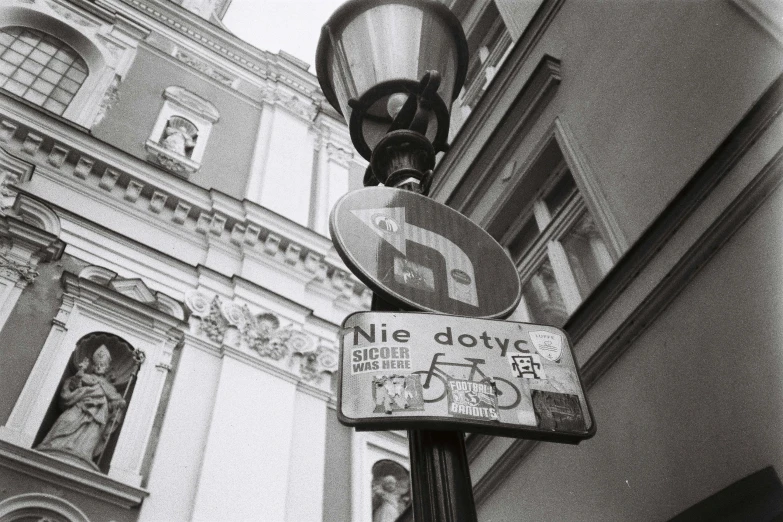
(404, 370)
(419, 254)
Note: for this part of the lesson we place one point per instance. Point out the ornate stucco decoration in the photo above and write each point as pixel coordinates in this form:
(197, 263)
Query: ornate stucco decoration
(227, 323)
(171, 160)
(110, 97)
(193, 103)
(304, 109)
(17, 271)
(200, 65)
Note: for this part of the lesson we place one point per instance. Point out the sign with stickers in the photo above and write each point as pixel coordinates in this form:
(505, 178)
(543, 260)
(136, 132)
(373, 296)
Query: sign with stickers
(409, 370)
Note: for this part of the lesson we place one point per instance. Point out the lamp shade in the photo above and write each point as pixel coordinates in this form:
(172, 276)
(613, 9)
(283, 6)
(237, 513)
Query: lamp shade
(373, 54)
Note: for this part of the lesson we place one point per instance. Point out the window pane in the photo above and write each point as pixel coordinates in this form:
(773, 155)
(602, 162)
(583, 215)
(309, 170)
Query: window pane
(31, 66)
(61, 95)
(21, 47)
(13, 57)
(57, 65)
(23, 76)
(34, 96)
(40, 57)
(587, 254)
(559, 194)
(43, 86)
(543, 298)
(524, 238)
(15, 87)
(55, 107)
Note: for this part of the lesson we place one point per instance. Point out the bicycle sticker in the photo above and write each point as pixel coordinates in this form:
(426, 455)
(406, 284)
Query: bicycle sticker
(472, 400)
(527, 366)
(392, 393)
(549, 345)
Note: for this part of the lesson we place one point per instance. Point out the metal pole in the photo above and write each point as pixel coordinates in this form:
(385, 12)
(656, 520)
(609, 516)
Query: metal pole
(441, 489)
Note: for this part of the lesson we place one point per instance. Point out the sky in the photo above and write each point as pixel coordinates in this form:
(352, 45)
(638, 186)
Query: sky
(289, 25)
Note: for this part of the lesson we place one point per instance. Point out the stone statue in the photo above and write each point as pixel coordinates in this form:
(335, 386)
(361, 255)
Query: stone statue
(390, 496)
(92, 411)
(177, 137)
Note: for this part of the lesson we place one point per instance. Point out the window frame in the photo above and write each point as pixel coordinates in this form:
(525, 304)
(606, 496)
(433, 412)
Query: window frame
(586, 198)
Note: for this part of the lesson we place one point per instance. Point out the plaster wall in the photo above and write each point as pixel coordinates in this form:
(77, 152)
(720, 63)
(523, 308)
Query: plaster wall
(248, 449)
(288, 170)
(686, 411)
(337, 478)
(174, 475)
(27, 328)
(648, 90)
(225, 165)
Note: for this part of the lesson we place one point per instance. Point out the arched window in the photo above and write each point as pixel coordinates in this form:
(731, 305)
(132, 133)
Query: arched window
(40, 68)
(391, 486)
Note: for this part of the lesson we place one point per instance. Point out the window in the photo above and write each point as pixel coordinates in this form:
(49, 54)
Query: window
(179, 136)
(555, 242)
(489, 42)
(40, 68)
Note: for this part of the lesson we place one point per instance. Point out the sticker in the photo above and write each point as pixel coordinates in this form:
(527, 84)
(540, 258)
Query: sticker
(527, 366)
(549, 345)
(392, 393)
(558, 411)
(380, 358)
(472, 400)
(410, 273)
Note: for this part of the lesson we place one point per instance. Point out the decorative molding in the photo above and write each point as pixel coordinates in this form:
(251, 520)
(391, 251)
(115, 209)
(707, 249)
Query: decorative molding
(192, 60)
(226, 323)
(171, 161)
(63, 475)
(339, 155)
(266, 233)
(110, 97)
(192, 102)
(17, 271)
(134, 289)
(293, 103)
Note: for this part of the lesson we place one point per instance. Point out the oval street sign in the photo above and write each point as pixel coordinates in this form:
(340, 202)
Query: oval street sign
(422, 255)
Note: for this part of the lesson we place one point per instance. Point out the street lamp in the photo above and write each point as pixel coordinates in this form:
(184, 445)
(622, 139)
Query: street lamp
(392, 68)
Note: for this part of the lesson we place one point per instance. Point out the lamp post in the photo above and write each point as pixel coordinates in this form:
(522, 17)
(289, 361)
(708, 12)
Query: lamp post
(392, 68)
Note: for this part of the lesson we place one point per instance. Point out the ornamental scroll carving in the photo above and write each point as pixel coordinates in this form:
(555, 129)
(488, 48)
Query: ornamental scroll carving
(225, 322)
(16, 271)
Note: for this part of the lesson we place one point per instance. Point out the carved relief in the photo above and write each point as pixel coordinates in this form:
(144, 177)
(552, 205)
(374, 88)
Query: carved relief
(262, 333)
(202, 66)
(16, 271)
(313, 364)
(70, 15)
(293, 103)
(110, 97)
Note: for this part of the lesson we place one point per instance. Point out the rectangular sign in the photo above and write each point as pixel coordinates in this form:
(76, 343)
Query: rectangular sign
(408, 370)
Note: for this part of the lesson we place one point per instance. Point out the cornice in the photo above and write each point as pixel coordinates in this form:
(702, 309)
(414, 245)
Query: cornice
(260, 63)
(174, 205)
(63, 475)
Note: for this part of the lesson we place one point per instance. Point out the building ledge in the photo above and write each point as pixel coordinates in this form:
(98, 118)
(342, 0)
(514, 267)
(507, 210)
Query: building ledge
(64, 475)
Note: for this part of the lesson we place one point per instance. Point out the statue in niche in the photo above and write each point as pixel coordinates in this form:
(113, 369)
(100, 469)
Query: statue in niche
(92, 406)
(390, 491)
(179, 136)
